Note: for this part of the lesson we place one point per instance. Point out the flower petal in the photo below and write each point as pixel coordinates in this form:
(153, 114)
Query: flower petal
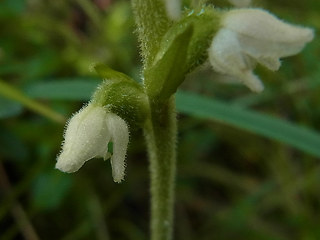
(260, 48)
(86, 137)
(226, 56)
(225, 53)
(120, 137)
(262, 25)
(252, 81)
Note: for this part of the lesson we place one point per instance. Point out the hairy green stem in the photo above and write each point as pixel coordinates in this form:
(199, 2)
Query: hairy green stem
(151, 24)
(160, 133)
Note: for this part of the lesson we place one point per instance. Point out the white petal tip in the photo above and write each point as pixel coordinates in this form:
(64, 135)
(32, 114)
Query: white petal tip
(252, 82)
(258, 89)
(118, 180)
(118, 168)
(67, 166)
(118, 171)
(308, 34)
(120, 137)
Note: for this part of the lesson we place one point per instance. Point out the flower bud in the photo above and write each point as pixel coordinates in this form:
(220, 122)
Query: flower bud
(250, 36)
(87, 136)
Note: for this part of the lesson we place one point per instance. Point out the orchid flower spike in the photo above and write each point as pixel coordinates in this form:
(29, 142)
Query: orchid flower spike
(87, 136)
(250, 36)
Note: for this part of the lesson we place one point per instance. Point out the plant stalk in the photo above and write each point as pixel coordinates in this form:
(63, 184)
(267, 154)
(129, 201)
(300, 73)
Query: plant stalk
(160, 133)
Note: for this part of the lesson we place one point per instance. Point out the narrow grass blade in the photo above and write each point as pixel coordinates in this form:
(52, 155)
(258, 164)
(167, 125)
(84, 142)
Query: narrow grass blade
(14, 94)
(283, 131)
(64, 89)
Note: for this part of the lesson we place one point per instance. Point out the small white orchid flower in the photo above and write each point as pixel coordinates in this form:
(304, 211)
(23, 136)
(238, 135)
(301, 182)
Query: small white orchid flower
(87, 136)
(240, 3)
(250, 36)
(173, 8)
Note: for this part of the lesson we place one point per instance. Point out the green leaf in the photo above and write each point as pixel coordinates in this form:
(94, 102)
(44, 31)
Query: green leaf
(107, 73)
(169, 69)
(206, 22)
(9, 108)
(264, 125)
(64, 89)
(183, 48)
(122, 95)
(11, 8)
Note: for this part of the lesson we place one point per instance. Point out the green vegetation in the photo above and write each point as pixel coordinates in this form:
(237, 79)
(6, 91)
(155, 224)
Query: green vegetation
(248, 164)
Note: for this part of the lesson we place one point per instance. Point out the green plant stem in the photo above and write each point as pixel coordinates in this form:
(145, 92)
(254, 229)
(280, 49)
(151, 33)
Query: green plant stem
(160, 133)
(151, 24)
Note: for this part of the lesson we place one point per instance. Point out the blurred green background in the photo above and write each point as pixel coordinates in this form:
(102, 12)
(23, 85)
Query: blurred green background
(248, 164)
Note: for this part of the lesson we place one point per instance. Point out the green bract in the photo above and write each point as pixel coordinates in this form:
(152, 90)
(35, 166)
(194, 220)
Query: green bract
(182, 49)
(122, 96)
(168, 71)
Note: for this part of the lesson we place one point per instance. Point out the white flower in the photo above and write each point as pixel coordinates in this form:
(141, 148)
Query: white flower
(240, 3)
(87, 136)
(250, 36)
(173, 8)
